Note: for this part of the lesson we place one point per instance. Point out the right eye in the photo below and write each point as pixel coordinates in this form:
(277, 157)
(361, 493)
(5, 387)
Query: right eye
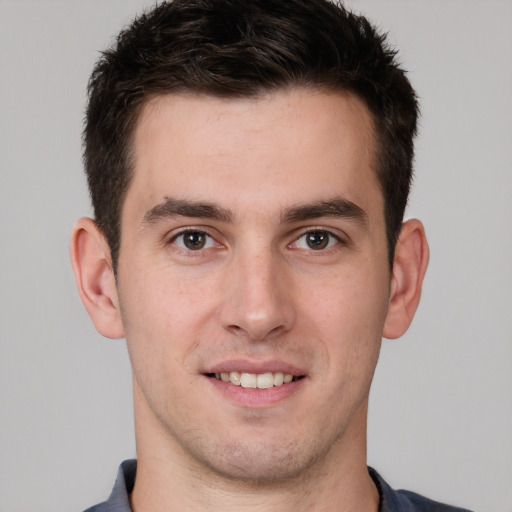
(193, 240)
(316, 240)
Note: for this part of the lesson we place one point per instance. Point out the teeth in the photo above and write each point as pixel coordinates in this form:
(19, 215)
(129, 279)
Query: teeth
(253, 380)
(234, 378)
(248, 380)
(264, 381)
(278, 379)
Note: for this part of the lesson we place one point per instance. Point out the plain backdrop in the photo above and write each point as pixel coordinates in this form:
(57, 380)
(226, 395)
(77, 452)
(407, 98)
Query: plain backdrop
(441, 404)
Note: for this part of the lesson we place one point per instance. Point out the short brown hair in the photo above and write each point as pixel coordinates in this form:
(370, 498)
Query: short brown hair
(240, 48)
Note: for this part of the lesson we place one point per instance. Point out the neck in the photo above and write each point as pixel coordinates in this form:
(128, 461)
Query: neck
(156, 492)
(169, 479)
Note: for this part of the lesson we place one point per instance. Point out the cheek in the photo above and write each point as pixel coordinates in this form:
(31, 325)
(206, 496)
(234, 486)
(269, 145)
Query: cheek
(347, 300)
(347, 313)
(163, 315)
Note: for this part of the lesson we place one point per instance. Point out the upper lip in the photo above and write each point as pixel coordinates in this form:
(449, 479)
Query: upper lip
(256, 367)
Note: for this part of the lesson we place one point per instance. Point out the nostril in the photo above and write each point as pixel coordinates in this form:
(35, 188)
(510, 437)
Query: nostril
(254, 333)
(236, 330)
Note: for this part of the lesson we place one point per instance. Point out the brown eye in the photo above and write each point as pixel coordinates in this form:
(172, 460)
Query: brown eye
(193, 240)
(317, 240)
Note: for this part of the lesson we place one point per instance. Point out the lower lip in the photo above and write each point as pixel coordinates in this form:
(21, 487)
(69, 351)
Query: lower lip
(256, 398)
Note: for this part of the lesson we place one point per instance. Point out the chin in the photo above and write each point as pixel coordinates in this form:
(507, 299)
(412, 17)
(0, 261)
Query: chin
(263, 462)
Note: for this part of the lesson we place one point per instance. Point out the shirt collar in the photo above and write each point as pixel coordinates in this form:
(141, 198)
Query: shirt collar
(119, 501)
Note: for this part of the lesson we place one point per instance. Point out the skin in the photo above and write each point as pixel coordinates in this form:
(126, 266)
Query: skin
(251, 178)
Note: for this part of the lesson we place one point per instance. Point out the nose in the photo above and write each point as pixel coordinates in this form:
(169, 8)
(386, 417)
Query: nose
(258, 297)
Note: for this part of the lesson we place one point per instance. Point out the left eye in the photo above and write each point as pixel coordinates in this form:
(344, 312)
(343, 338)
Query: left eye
(193, 240)
(316, 240)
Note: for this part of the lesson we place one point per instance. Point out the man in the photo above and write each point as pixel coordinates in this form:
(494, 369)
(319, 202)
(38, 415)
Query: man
(249, 164)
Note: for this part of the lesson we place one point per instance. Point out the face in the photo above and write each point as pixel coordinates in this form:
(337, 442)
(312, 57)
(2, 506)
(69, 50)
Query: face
(253, 251)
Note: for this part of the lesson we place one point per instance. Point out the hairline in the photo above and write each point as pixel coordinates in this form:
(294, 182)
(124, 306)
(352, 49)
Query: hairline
(151, 97)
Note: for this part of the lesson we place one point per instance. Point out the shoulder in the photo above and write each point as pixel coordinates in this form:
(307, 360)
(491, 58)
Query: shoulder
(407, 501)
(119, 500)
(419, 503)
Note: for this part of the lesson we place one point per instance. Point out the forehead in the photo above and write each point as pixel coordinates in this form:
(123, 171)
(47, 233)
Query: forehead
(290, 146)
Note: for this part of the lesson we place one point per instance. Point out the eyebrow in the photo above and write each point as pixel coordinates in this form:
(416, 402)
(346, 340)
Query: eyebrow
(335, 207)
(171, 207)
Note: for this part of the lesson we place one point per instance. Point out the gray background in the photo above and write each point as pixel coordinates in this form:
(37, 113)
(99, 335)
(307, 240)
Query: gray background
(441, 408)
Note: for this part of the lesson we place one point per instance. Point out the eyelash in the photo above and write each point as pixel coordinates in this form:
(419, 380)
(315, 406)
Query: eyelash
(331, 237)
(210, 241)
(191, 231)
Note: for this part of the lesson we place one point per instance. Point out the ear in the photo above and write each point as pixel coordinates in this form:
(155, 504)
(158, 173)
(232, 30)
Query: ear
(92, 266)
(409, 267)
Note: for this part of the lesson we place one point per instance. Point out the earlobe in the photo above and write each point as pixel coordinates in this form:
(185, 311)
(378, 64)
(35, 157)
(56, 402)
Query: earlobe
(90, 257)
(409, 267)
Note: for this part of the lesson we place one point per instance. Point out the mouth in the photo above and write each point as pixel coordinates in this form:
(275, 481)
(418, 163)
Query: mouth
(265, 380)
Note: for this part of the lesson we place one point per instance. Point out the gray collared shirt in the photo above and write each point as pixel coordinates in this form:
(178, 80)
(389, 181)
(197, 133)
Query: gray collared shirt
(390, 500)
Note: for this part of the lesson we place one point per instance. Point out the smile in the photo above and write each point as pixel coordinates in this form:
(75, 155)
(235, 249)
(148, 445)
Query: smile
(256, 381)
